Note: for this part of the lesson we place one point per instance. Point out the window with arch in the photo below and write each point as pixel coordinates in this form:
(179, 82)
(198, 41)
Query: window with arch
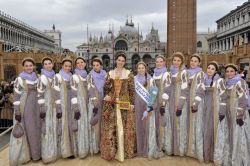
(199, 44)
(121, 45)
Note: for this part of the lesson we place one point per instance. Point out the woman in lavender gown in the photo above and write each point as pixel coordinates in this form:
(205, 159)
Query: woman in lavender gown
(96, 81)
(79, 109)
(234, 111)
(47, 111)
(195, 116)
(207, 99)
(178, 105)
(145, 116)
(27, 145)
(162, 80)
(62, 97)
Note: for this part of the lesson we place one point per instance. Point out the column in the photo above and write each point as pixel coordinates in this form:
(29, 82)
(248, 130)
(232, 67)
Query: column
(227, 44)
(231, 43)
(224, 44)
(245, 38)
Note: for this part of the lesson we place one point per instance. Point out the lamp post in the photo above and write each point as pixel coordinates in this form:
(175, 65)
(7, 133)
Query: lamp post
(88, 57)
(88, 46)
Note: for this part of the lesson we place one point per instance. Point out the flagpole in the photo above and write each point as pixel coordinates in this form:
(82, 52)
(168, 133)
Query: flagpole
(113, 47)
(88, 45)
(138, 39)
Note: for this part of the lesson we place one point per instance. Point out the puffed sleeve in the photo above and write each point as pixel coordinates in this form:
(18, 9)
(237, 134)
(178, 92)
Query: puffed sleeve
(131, 88)
(92, 91)
(18, 88)
(56, 84)
(241, 90)
(222, 95)
(184, 89)
(200, 90)
(41, 87)
(74, 83)
(166, 87)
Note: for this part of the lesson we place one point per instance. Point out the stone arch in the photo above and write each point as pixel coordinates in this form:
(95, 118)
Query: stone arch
(9, 72)
(121, 45)
(134, 60)
(148, 60)
(199, 44)
(106, 62)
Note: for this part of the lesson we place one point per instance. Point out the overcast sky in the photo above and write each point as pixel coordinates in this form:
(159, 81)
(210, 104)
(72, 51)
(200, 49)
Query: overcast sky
(72, 16)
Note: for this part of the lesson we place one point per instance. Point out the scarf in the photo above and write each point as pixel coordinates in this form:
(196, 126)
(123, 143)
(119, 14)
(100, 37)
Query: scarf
(174, 70)
(208, 80)
(194, 71)
(233, 81)
(142, 78)
(99, 79)
(27, 76)
(49, 74)
(159, 71)
(83, 73)
(66, 76)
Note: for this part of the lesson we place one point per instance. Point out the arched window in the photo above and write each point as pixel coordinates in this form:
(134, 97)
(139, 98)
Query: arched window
(9, 72)
(135, 59)
(121, 45)
(199, 44)
(106, 62)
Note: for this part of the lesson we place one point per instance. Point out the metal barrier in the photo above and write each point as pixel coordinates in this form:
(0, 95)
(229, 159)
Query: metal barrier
(6, 131)
(2, 135)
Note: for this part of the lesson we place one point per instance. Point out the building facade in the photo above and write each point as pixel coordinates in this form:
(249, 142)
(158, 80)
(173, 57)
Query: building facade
(17, 34)
(57, 36)
(128, 41)
(202, 42)
(181, 26)
(233, 29)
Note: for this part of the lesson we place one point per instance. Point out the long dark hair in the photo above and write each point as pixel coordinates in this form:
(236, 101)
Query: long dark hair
(216, 72)
(211, 84)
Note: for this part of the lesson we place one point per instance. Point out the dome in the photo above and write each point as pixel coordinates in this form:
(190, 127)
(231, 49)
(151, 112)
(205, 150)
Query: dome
(128, 30)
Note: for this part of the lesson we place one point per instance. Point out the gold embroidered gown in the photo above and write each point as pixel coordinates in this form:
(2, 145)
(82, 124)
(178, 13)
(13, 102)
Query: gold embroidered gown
(118, 134)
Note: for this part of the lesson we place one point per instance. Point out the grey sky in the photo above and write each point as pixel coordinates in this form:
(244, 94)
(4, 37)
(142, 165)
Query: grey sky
(72, 16)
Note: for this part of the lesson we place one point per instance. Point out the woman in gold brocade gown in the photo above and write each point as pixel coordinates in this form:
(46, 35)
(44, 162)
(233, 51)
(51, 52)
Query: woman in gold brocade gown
(118, 137)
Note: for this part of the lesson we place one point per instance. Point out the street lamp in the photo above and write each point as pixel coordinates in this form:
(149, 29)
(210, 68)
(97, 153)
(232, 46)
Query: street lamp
(88, 58)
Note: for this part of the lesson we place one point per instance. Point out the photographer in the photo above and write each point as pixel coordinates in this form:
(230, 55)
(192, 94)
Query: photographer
(6, 103)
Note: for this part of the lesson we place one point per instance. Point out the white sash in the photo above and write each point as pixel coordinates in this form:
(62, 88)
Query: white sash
(142, 91)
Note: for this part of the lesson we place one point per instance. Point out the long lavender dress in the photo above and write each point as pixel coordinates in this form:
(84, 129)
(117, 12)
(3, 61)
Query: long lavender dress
(233, 148)
(25, 101)
(95, 100)
(146, 128)
(79, 102)
(62, 94)
(207, 98)
(196, 120)
(141, 126)
(162, 122)
(49, 138)
(178, 100)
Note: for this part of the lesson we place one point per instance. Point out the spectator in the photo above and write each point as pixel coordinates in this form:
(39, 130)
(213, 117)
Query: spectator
(6, 103)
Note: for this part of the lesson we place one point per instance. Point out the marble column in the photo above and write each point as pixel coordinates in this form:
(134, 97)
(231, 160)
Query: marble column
(245, 38)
